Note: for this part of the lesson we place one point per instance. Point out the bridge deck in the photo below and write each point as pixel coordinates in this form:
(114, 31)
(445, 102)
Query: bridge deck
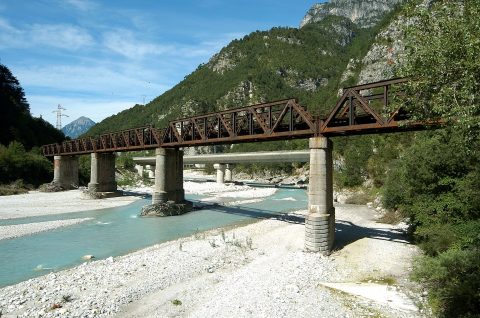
(362, 109)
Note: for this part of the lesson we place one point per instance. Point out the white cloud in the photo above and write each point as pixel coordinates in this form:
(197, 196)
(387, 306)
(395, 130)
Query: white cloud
(10, 36)
(62, 36)
(113, 80)
(124, 42)
(82, 5)
(95, 91)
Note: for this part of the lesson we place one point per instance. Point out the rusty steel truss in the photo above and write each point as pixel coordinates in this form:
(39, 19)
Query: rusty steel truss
(361, 109)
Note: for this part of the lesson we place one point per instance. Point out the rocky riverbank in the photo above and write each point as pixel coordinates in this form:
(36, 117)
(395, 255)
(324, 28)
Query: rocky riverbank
(259, 270)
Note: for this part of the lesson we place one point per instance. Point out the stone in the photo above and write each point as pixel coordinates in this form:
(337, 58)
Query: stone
(168, 208)
(88, 257)
(292, 288)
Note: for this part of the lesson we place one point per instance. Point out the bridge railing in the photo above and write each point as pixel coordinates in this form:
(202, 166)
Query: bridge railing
(139, 138)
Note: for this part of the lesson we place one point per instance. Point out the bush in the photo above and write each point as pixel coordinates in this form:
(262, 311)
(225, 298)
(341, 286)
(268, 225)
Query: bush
(16, 163)
(16, 187)
(453, 278)
(125, 161)
(84, 166)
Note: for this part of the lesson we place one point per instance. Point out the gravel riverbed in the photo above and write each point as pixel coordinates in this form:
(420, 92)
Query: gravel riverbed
(12, 231)
(258, 270)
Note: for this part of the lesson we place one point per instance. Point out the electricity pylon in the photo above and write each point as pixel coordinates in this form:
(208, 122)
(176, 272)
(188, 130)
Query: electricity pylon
(59, 116)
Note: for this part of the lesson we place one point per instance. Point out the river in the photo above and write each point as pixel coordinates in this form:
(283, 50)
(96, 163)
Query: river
(118, 231)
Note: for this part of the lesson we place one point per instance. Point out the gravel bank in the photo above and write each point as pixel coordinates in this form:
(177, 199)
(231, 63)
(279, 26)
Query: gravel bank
(259, 270)
(37, 203)
(11, 231)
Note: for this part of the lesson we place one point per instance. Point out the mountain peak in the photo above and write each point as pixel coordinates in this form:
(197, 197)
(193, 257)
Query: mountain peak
(364, 13)
(78, 126)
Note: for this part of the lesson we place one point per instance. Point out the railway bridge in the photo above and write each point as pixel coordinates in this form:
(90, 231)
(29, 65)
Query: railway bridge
(362, 109)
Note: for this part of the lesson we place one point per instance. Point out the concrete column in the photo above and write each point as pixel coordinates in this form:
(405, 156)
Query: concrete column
(168, 176)
(220, 172)
(65, 171)
(139, 169)
(229, 172)
(102, 173)
(320, 221)
(150, 171)
(179, 191)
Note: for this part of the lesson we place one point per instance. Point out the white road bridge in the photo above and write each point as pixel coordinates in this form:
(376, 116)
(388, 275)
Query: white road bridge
(224, 162)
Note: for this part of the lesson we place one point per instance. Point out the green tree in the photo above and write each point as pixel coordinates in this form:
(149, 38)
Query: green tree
(16, 122)
(437, 180)
(442, 58)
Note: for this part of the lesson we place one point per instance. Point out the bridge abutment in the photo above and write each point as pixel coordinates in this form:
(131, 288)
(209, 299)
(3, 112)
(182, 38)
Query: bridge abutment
(320, 221)
(65, 171)
(168, 176)
(220, 167)
(102, 173)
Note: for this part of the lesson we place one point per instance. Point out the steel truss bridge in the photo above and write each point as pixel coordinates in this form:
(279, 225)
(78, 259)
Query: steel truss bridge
(362, 109)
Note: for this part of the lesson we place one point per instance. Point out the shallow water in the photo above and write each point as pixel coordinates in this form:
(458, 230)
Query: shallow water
(118, 231)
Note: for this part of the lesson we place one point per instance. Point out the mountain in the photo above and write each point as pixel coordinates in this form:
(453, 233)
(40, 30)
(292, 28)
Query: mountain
(364, 13)
(78, 127)
(310, 63)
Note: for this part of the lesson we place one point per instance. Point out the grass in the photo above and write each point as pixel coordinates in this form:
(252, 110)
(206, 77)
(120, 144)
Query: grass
(386, 280)
(391, 217)
(177, 302)
(16, 187)
(359, 198)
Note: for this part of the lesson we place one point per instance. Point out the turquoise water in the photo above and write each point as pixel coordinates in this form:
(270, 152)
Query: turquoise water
(118, 231)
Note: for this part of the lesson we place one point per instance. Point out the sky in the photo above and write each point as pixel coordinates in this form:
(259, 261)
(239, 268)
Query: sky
(97, 58)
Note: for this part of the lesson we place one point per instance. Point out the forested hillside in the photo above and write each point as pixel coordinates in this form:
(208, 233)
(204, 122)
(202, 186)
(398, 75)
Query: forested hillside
(20, 136)
(16, 122)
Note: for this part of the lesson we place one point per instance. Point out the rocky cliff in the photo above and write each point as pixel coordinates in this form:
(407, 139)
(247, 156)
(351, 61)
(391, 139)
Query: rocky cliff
(364, 13)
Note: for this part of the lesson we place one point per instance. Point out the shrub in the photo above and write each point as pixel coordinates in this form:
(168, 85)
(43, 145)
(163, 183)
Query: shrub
(453, 278)
(16, 163)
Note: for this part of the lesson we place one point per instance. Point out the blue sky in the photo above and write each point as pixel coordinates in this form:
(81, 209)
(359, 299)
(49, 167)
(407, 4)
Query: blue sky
(97, 58)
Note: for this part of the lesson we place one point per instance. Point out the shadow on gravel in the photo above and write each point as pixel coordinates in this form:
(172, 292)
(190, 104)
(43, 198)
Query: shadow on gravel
(347, 232)
(256, 213)
(136, 194)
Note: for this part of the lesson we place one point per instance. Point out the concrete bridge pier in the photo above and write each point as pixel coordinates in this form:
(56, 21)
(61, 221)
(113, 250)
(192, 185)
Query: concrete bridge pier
(65, 171)
(139, 169)
(229, 172)
(102, 173)
(150, 171)
(320, 221)
(168, 176)
(220, 167)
